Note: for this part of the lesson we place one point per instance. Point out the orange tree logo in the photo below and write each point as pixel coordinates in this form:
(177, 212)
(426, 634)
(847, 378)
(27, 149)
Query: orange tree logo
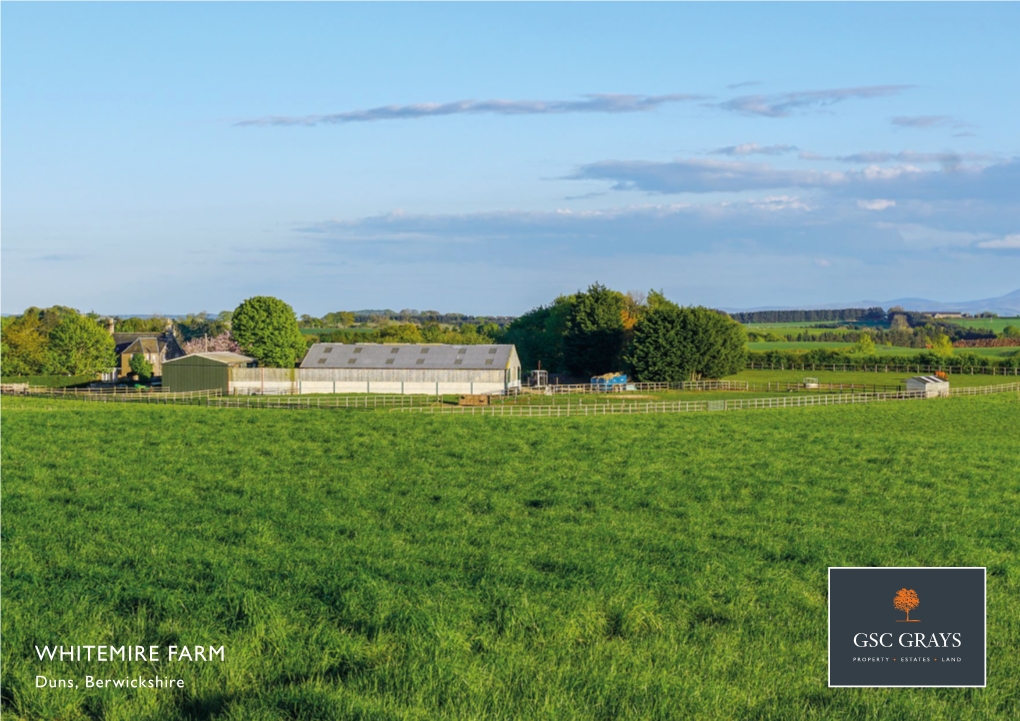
(905, 600)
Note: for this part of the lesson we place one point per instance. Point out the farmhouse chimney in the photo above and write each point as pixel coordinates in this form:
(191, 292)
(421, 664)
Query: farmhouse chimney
(110, 325)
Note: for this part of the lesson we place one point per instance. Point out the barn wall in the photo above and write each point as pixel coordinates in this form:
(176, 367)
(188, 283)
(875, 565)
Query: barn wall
(366, 380)
(198, 374)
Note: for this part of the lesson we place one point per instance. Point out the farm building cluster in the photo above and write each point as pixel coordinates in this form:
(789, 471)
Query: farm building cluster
(361, 368)
(157, 348)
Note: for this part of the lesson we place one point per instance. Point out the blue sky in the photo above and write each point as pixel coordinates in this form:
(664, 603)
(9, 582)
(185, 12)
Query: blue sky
(484, 158)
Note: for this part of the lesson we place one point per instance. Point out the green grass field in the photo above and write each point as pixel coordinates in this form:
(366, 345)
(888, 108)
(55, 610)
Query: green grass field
(994, 324)
(864, 377)
(880, 350)
(320, 331)
(380, 566)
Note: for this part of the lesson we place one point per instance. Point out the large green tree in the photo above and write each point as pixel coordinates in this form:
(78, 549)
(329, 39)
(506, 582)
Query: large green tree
(26, 339)
(80, 346)
(595, 336)
(680, 344)
(24, 346)
(266, 329)
(539, 334)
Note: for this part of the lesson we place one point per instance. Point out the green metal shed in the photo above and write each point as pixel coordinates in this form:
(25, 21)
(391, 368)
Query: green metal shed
(202, 371)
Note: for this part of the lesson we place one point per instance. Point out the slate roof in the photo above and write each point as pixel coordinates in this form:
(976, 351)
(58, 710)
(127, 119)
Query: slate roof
(392, 355)
(146, 343)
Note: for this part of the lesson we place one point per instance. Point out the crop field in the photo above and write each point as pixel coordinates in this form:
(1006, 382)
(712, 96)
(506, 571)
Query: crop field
(382, 566)
(801, 345)
(320, 331)
(879, 350)
(994, 324)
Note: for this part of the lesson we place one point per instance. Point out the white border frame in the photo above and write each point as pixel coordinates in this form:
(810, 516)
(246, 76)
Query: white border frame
(828, 625)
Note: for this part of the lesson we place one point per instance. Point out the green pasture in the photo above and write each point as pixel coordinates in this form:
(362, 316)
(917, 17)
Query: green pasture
(879, 349)
(993, 324)
(800, 345)
(864, 377)
(386, 566)
(320, 331)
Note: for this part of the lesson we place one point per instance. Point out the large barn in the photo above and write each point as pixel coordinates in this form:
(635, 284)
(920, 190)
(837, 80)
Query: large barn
(391, 368)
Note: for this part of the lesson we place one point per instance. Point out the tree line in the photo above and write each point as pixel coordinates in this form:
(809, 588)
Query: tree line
(809, 316)
(601, 330)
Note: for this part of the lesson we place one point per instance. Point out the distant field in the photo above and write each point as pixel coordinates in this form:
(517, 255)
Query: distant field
(320, 331)
(798, 330)
(794, 345)
(994, 324)
(863, 377)
(880, 350)
(804, 325)
(381, 566)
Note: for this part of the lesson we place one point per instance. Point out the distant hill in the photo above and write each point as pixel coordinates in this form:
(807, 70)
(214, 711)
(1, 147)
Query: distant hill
(1004, 305)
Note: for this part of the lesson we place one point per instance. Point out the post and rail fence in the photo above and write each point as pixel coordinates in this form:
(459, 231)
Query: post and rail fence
(839, 394)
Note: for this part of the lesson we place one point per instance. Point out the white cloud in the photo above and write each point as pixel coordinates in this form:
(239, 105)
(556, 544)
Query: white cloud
(877, 204)
(924, 237)
(1010, 242)
(594, 103)
(876, 172)
(785, 104)
(754, 149)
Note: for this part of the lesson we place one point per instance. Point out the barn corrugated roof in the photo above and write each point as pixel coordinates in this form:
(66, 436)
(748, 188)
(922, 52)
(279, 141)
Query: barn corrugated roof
(929, 379)
(386, 355)
(219, 356)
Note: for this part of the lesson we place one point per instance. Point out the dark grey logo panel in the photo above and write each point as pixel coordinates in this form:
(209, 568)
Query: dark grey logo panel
(907, 627)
